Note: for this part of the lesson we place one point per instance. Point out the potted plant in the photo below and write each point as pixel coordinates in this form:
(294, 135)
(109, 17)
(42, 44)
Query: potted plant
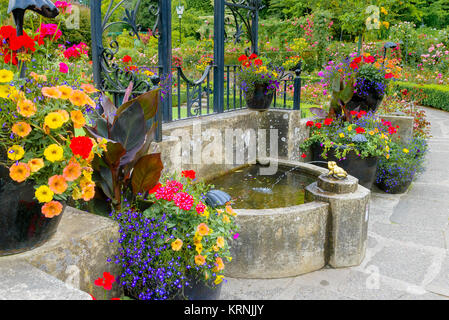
(355, 145)
(172, 244)
(394, 175)
(43, 163)
(358, 83)
(258, 81)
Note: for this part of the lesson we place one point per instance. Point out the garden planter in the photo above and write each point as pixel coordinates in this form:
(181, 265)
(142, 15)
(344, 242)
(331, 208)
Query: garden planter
(23, 227)
(196, 290)
(261, 99)
(400, 188)
(369, 102)
(362, 169)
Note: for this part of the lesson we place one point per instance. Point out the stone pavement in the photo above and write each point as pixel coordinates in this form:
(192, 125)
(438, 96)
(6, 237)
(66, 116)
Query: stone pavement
(408, 244)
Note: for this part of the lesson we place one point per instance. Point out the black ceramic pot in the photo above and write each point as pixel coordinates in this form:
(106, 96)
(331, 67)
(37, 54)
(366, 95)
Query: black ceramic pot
(261, 99)
(401, 188)
(23, 227)
(362, 169)
(196, 290)
(369, 102)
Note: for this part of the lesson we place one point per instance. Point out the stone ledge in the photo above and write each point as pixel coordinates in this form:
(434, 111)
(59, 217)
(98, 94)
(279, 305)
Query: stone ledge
(77, 254)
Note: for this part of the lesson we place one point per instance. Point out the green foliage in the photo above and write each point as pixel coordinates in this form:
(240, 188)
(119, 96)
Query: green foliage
(435, 95)
(204, 6)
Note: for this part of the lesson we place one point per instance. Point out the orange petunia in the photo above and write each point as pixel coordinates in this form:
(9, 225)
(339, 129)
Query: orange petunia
(203, 229)
(66, 92)
(72, 171)
(200, 260)
(36, 164)
(52, 209)
(88, 88)
(78, 98)
(21, 129)
(219, 265)
(19, 172)
(176, 245)
(51, 92)
(65, 115)
(88, 193)
(78, 118)
(26, 108)
(57, 184)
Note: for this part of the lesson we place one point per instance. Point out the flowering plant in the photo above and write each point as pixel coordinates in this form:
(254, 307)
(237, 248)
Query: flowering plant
(254, 72)
(292, 62)
(406, 161)
(175, 240)
(38, 141)
(366, 136)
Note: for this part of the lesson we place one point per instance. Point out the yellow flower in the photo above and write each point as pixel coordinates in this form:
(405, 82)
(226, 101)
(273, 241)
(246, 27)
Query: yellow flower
(64, 114)
(226, 219)
(19, 172)
(22, 129)
(197, 239)
(36, 164)
(220, 242)
(77, 118)
(15, 153)
(76, 194)
(371, 133)
(54, 153)
(176, 245)
(219, 265)
(199, 248)
(203, 229)
(88, 192)
(405, 150)
(218, 280)
(44, 194)
(66, 92)
(78, 98)
(6, 76)
(350, 128)
(341, 135)
(54, 120)
(51, 92)
(200, 260)
(387, 148)
(387, 156)
(5, 90)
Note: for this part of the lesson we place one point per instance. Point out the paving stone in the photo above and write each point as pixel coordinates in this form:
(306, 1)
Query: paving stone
(440, 285)
(254, 289)
(21, 281)
(414, 234)
(428, 191)
(425, 296)
(403, 263)
(425, 214)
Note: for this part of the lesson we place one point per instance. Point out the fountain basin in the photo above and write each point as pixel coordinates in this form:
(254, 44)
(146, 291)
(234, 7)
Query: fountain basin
(297, 239)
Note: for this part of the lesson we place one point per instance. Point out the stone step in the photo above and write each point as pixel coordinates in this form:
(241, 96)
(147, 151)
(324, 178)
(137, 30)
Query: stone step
(21, 281)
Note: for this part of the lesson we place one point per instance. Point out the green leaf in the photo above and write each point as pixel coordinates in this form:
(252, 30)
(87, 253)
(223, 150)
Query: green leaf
(146, 173)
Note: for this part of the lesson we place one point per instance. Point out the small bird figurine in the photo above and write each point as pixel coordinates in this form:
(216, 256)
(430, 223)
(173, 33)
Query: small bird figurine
(335, 171)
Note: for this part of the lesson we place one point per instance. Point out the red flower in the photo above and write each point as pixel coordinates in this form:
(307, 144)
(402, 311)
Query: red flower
(354, 65)
(353, 113)
(183, 201)
(303, 156)
(369, 59)
(243, 58)
(165, 193)
(81, 146)
(357, 60)
(318, 125)
(309, 124)
(328, 121)
(155, 188)
(388, 76)
(404, 92)
(252, 56)
(105, 282)
(360, 130)
(361, 114)
(127, 59)
(189, 174)
(175, 185)
(200, 207)
(258, 62)
(392, 130)
(246, 63)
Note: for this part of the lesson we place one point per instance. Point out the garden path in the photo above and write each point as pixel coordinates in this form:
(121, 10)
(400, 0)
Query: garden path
(408, 244)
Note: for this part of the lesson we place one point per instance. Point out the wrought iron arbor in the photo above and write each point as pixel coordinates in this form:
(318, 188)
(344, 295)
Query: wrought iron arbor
(110, 77)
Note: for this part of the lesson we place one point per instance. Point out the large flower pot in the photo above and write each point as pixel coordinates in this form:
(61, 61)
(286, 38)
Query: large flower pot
(363, 169)
(260, 99)
(396, 189)
(370, 101)
(23, 227)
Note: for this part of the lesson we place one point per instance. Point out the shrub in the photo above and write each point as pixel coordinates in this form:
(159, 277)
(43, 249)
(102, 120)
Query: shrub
(436, 96)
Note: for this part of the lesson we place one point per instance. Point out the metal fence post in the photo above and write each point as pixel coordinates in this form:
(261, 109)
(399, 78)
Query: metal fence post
(255, 28)
(97, 40)
(297, 88)
(165, 56)
(219, 34)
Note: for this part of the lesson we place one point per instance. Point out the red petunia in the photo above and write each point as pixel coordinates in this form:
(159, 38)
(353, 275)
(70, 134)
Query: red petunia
(127, 59)
(369, 59)
(328, 121)
(243, 58)
(353, 113)
(392, 130)
(105, 282)
(354, 65)
(155, 188)
(360, 130)
(252, 56)
(81, 146)
(309, 124)
(189, 174)
(388, 76)
(258, 62)
(303, 156)
(357, 60)
(318, 125)
(361, 114)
